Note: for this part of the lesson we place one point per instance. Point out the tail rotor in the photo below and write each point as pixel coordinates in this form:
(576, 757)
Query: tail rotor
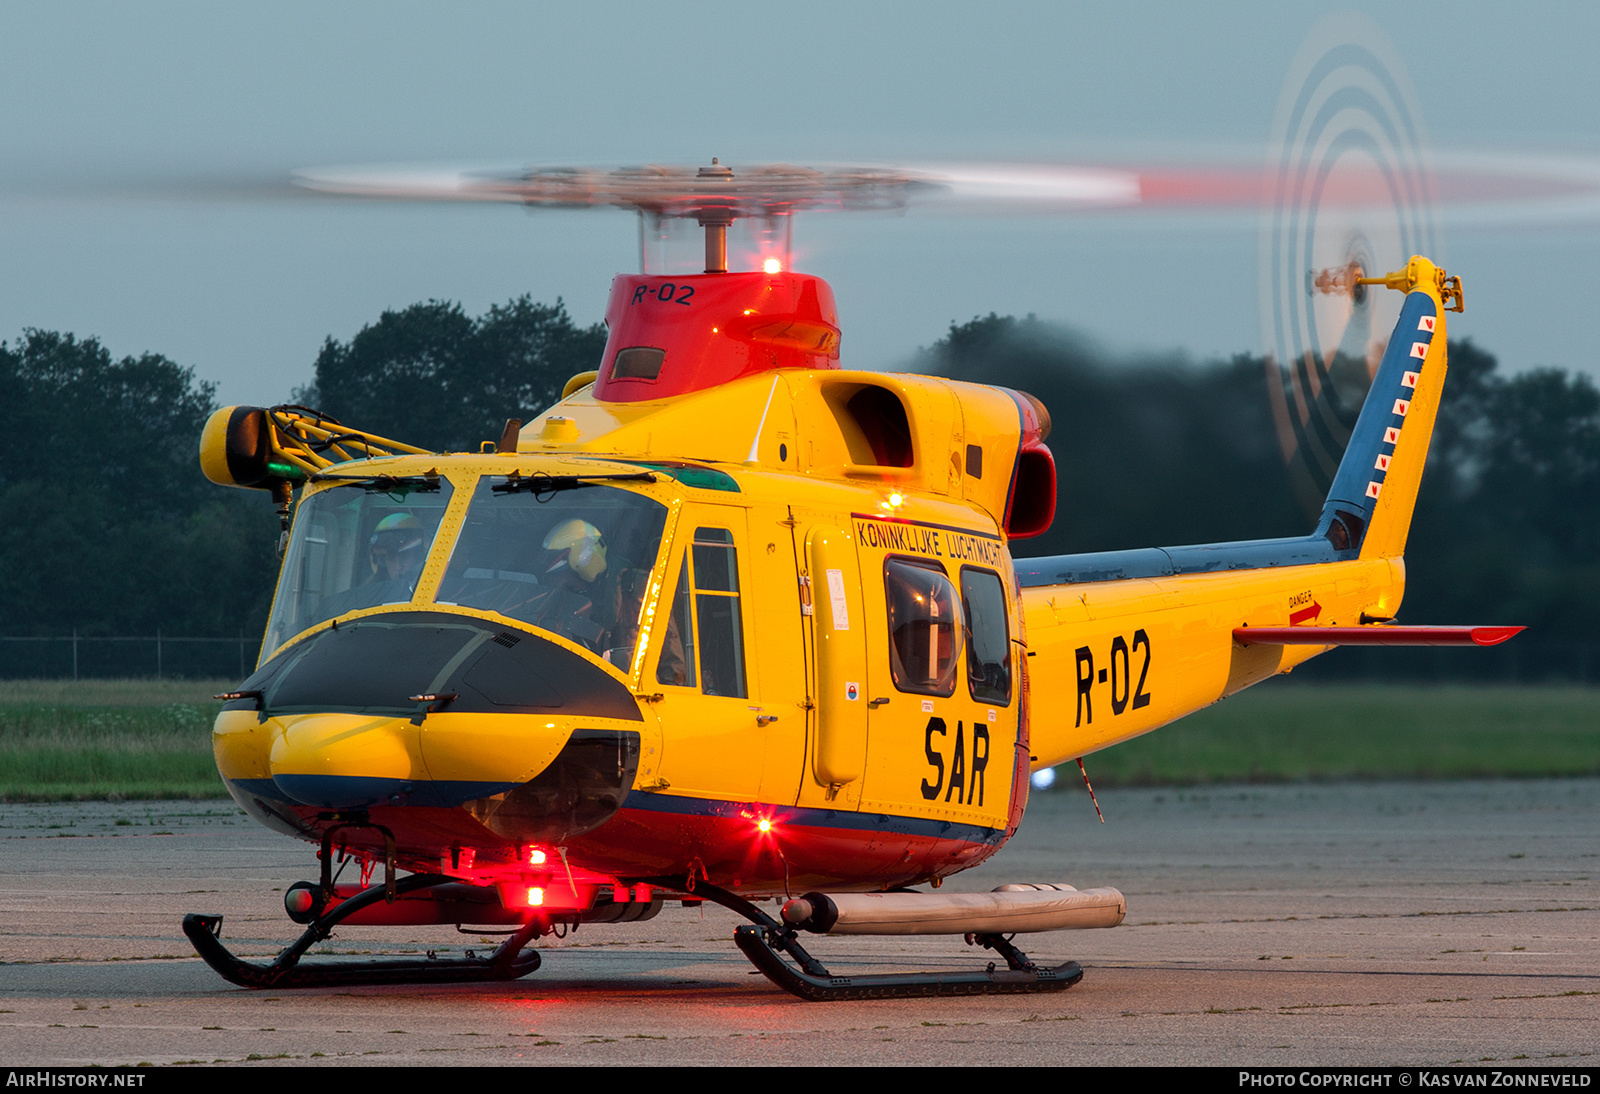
(1348, 192)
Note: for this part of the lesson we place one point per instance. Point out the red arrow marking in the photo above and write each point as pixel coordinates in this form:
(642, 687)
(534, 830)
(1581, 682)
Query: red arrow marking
(1305, 615)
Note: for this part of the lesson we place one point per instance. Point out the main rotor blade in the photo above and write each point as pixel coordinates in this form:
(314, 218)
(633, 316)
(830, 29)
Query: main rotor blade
(1478, 188)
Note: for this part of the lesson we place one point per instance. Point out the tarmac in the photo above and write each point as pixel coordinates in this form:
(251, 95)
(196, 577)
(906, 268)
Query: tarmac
(1390, 923)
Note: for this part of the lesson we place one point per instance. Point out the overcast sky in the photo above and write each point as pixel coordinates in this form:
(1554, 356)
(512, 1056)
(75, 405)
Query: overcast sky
(105, 107)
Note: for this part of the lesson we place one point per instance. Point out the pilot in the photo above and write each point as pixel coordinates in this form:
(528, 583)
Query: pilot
(397, 549)
(595, 596)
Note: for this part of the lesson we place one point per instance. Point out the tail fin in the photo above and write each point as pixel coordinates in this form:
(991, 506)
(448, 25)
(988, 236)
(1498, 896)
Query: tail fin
(1374, 493)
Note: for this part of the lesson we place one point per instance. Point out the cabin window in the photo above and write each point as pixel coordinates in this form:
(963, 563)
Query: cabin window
(715, 638)
(355, 546)
(988, 636)
(925, 627)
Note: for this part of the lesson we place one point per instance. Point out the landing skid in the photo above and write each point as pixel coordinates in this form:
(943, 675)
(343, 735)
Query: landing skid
(767, 941)
(285, 971)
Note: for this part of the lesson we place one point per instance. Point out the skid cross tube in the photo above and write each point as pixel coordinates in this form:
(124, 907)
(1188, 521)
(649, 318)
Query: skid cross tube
(767, 941)
(508, 962)
(357, 820)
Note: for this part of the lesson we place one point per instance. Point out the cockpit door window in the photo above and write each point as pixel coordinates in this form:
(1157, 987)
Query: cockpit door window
(676, 667)
(715, 638)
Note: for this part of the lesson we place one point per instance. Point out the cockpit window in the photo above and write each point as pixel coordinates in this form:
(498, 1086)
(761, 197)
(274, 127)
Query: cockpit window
(355, 546)
(573, 561)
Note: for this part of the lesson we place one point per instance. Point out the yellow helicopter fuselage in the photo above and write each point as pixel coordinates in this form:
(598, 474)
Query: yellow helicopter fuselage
(768, 632)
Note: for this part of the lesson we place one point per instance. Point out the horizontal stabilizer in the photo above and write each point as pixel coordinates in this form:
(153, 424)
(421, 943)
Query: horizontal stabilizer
(1375, 635)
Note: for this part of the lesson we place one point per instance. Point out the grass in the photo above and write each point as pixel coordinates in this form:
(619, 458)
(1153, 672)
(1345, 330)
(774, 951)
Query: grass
(149, 739)
(108, 739)
(1284, 733)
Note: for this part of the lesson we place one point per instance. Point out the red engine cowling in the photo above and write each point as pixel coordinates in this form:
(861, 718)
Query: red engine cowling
(673, 335)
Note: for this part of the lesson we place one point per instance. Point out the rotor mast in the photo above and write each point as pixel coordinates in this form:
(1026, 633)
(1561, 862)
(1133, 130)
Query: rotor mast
(715, 218)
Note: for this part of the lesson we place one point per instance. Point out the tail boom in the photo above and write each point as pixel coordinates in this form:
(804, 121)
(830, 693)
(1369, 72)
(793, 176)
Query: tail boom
(1111, 660)
(1122, 642)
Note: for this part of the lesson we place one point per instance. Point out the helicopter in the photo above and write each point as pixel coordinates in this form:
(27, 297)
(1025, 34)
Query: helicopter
(732, 622)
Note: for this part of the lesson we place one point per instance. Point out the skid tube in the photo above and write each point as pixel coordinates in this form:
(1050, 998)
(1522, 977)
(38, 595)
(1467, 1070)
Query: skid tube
(765, 942)
(508, 962)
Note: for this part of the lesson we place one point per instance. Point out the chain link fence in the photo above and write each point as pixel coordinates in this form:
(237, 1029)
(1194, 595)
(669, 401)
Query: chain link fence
(160, 656)
(1523, 660)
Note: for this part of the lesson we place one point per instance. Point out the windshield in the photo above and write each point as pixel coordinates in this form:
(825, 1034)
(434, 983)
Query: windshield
(355, 546)
(575, 561)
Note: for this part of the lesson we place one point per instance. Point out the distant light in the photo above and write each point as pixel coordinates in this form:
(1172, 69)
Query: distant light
(772, 266)
(1044, 778)
(764, 824)
(535, 897)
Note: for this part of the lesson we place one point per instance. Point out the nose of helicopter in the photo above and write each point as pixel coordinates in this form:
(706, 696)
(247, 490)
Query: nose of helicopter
(342, 724)
(342, 761)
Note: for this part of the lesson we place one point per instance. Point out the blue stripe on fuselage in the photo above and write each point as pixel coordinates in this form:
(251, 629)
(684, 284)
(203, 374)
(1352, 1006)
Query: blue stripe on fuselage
(360, 792)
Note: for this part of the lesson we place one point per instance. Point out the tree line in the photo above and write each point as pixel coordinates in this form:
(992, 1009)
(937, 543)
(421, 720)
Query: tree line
(112, 529)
